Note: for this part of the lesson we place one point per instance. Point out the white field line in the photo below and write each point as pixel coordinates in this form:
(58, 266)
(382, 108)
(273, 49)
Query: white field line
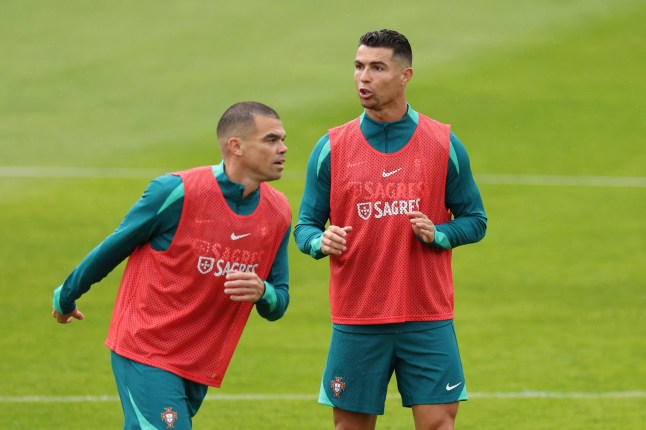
(150, 173)
(312, 397)
(559, 180)
(79, 172)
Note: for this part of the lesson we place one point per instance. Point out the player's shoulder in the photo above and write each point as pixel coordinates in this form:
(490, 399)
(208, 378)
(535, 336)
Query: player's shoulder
(272, 192)
(457, 147)
(166, 180)
(353, 122)
(169, 188)
(323, 142)
(320, 153)
(276, 199)
(164, 185)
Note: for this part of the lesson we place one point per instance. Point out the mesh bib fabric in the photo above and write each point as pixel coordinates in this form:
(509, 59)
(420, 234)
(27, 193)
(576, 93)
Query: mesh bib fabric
(387, 275)
(171, 311)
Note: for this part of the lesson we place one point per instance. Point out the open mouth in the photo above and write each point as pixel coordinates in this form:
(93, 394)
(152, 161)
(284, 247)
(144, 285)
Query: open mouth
(365, 93)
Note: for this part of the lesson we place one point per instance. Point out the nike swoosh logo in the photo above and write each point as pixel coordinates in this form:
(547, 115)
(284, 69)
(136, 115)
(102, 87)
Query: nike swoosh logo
(451, 387)
(234, 237)
(386, 174)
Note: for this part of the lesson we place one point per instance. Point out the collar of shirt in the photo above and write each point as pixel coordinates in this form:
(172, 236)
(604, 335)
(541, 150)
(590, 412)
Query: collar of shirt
(233, 192)
(389, 137)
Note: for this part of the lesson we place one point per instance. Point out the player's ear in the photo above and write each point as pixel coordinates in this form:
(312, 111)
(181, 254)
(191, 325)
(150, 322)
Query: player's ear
(407, 75)
(234, 145)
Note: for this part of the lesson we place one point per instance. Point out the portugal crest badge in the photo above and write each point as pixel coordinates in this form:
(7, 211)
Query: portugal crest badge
(169, 416)
(364, 210)
(337, 386)
(205, 264)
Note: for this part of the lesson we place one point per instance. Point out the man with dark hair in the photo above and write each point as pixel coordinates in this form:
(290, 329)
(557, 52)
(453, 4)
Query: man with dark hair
(205, 245)
(389, 39)
(397, 189)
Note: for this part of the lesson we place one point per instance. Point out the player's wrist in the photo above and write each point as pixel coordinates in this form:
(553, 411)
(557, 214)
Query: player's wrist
(62, 308)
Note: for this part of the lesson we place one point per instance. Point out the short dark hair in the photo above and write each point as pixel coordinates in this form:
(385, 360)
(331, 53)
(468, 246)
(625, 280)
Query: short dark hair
(389, 39)
(242, 116)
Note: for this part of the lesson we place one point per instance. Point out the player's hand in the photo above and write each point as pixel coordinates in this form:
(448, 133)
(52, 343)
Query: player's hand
(422, 226)
(67, 318)
(244, 287)
(334, 240)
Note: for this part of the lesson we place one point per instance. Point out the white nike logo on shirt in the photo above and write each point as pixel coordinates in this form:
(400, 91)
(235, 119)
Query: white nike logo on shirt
(234, 237)
(451, 387)
(392, 172)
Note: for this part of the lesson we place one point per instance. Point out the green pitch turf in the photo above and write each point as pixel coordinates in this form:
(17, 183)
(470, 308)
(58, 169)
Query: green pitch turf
(548, 97)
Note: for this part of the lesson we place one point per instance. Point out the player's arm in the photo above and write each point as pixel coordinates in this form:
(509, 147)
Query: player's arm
(142, 222)
(314, 210)
(275, 299)
(469, 223)
(270, 296)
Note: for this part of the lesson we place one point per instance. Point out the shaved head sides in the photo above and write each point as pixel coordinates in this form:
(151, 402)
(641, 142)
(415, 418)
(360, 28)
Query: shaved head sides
(240, 118)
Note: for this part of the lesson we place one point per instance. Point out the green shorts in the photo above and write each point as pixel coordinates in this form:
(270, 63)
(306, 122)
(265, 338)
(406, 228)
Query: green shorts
(153, 398)
(426, 364)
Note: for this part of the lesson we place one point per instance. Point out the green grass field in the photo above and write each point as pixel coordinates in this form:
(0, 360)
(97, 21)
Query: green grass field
(97, 98)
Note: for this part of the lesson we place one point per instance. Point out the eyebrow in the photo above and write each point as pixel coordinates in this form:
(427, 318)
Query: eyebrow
(372, 63)
(270, 136)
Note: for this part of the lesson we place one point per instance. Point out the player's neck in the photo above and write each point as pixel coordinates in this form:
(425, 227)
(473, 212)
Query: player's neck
(242, 177)
(388, 114)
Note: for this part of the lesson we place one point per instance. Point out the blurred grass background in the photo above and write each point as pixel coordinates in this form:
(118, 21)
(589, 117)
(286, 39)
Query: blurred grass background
(551, 301)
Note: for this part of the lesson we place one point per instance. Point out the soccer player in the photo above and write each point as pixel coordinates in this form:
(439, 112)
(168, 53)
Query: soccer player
(397, 189)
(205, 246)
